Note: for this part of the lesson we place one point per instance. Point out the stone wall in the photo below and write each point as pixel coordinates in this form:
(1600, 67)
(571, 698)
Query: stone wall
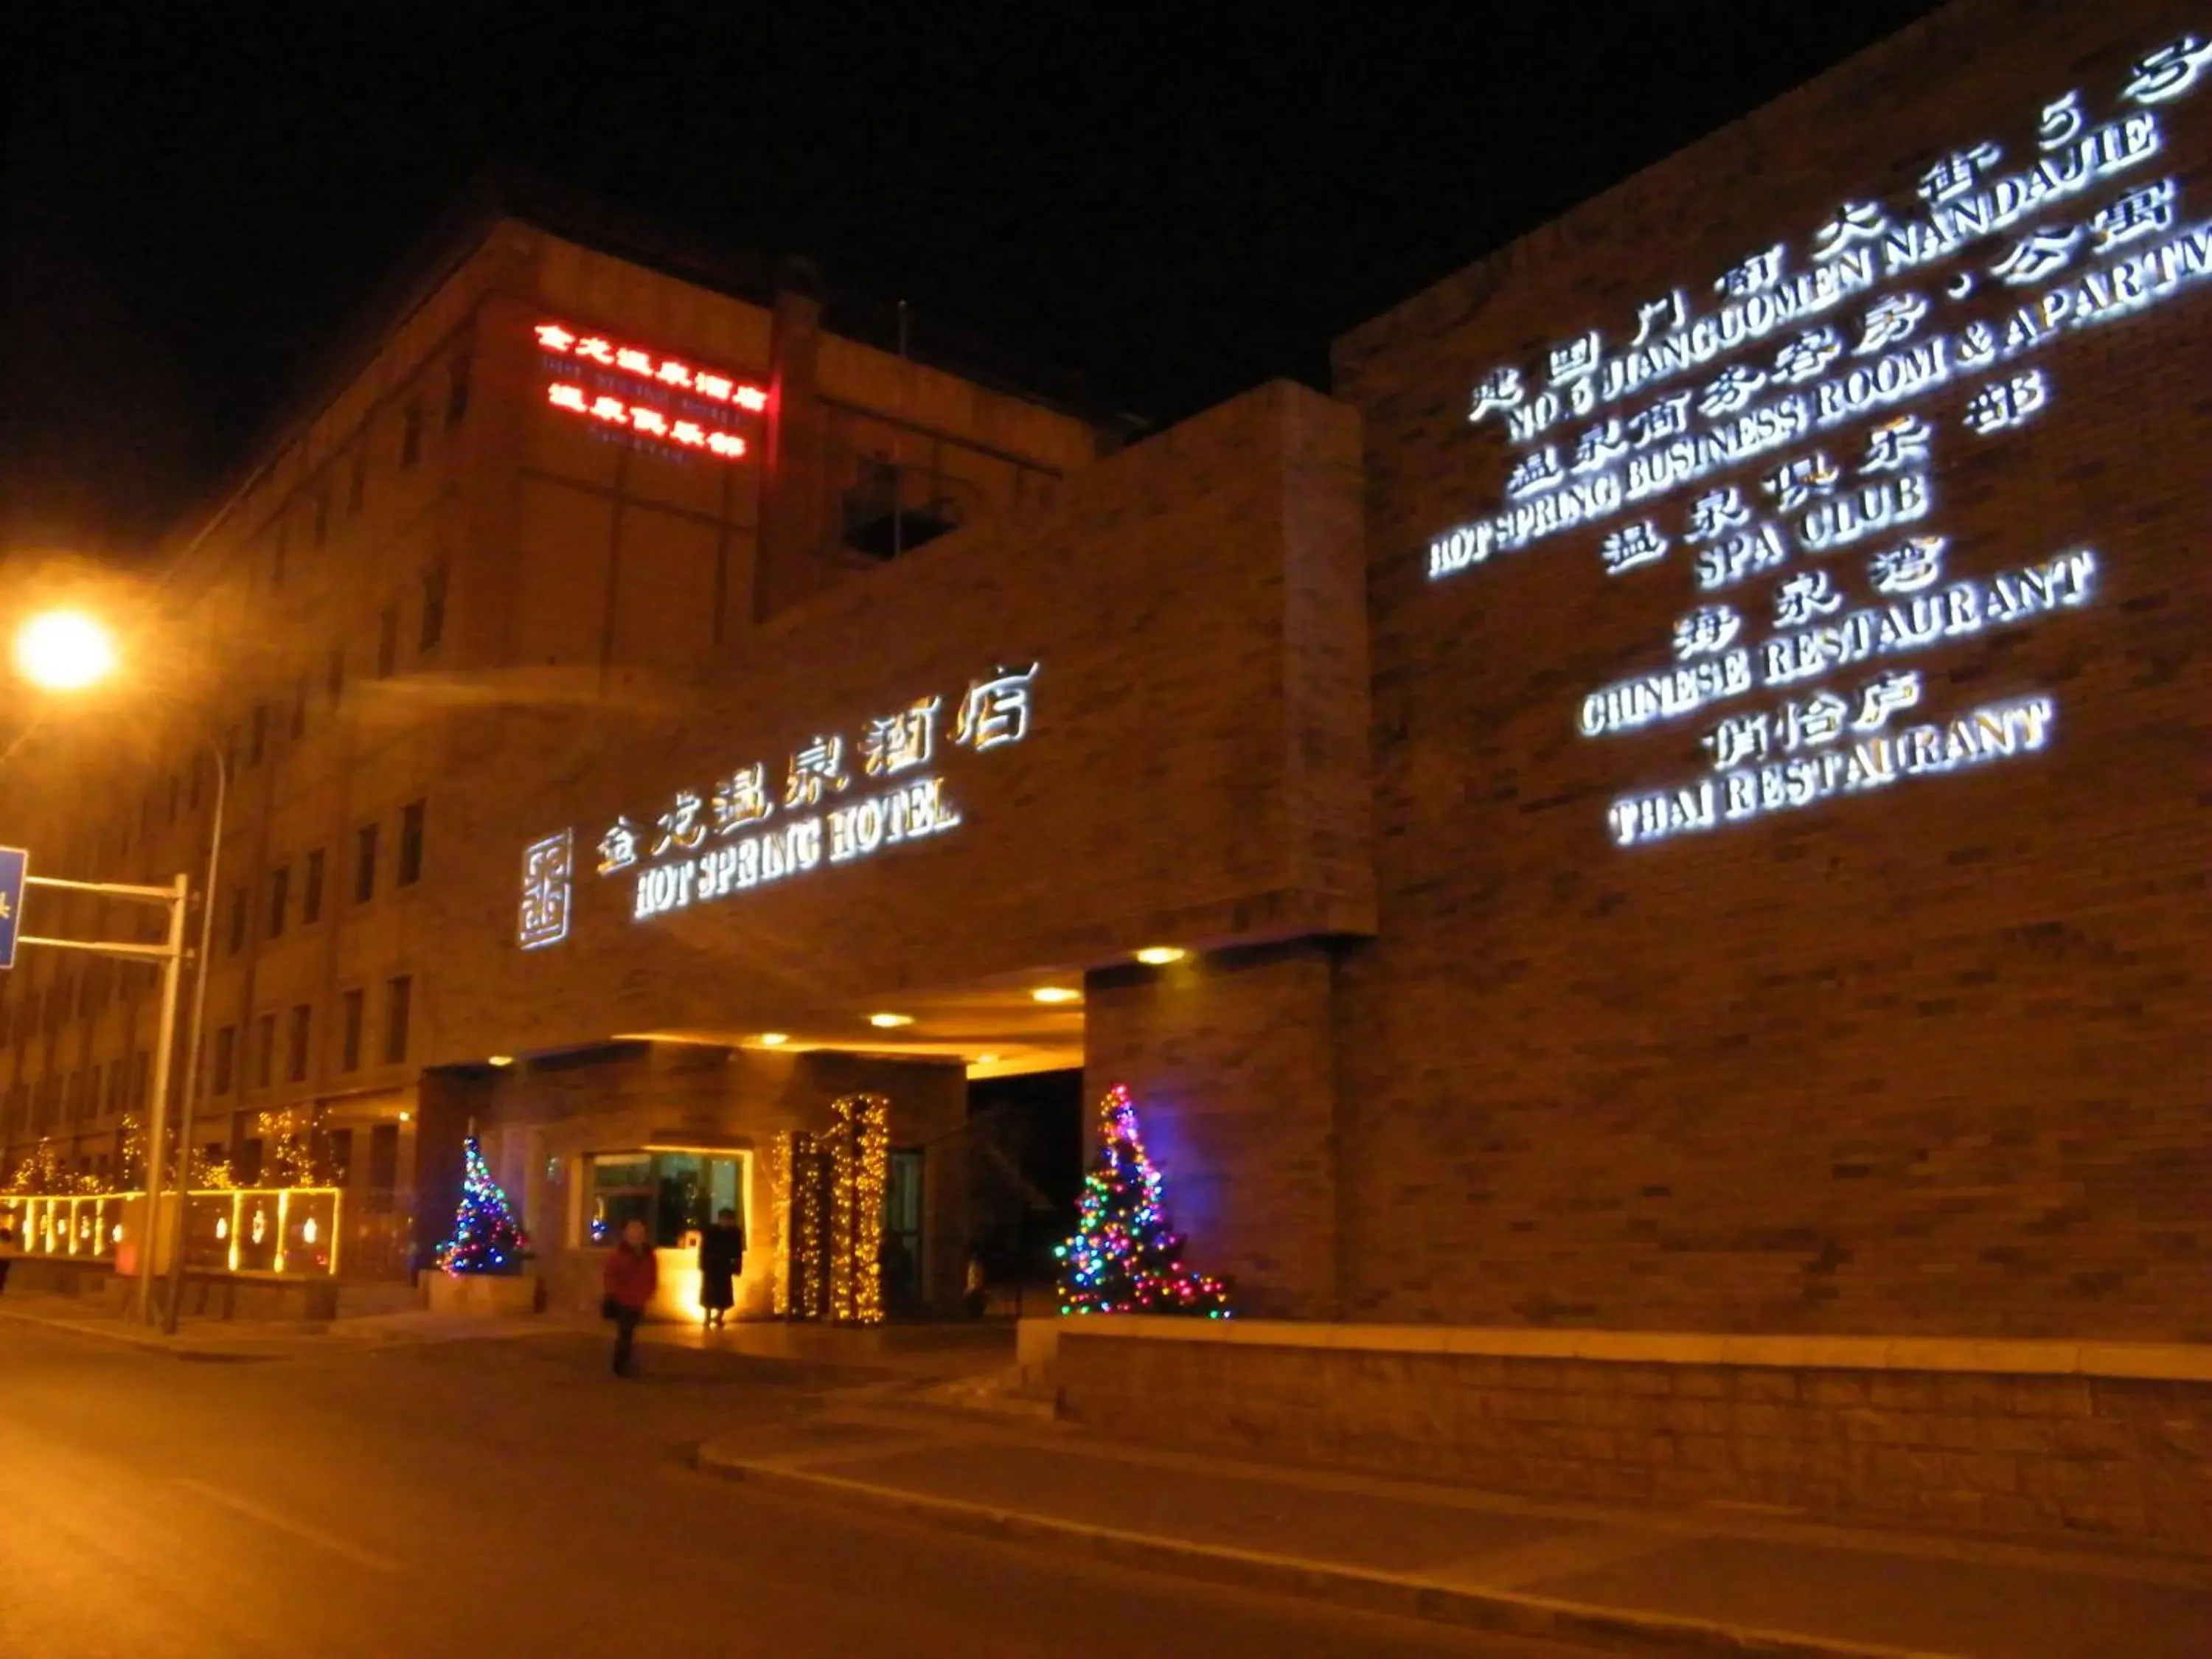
(1929, 1058)
(1928, 1434)
(1230, 1060)
(1194, 768)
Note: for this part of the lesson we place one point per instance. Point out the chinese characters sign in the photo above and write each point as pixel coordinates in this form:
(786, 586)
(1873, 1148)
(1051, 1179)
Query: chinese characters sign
(547, 866)
(663, 399)
(1786, 480)
(833, 804)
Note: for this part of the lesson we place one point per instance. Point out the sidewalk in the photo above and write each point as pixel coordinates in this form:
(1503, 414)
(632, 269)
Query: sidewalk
(1684, 1580)
(250, 1340)
(933, 1353)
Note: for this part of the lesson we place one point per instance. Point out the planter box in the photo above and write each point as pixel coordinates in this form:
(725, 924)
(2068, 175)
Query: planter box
(484, 1295)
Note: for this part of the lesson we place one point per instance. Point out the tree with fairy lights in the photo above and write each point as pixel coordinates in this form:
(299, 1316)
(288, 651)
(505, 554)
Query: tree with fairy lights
(487, 1238)
(1125, 1258)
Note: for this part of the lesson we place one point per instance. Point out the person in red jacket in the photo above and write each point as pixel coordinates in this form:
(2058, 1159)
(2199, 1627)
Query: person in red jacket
(633, 1274)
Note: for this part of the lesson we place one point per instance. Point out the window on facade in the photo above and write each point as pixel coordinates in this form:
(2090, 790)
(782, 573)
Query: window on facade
(434, 606)
(311, 891)
(891, 509)
(364, 864)
(383, 1162)
(237, 920)
(138, 1063)
(350, 1021)
(334, 676)
(410, 845)
(257, 734)
(356, 484)
(337, 1154)
(245, 1162)
(280, 883)
(265, 1051)
(226, 1059)
(674, 1194)
(387, 640)
(399, 997)
(295, 1044)
(457, 391)
(299, 709)
(410, 433)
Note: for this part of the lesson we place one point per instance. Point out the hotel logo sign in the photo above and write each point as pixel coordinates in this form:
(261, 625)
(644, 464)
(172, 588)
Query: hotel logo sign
(833, 805)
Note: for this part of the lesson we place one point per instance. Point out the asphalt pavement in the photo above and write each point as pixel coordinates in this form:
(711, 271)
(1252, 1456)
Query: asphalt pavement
(510, 1500)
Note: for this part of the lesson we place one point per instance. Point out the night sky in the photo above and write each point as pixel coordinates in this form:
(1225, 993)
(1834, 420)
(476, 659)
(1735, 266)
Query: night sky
(199, 197)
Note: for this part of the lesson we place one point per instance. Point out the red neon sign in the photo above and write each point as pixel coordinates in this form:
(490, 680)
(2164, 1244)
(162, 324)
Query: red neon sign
(643, 418)
(668, 372)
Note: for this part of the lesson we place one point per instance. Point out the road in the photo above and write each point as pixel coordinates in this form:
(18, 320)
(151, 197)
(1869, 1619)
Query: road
(508, 1500)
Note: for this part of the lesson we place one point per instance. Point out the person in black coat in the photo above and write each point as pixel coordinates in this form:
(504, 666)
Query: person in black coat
(721, 1259)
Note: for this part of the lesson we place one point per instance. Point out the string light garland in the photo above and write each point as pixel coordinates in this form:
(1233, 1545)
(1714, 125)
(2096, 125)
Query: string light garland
(860, 1165)
(288, 1135)
(828, 1199)
(487, 1237)
(779, 1162)
(810, 1210)
(1125, 1256)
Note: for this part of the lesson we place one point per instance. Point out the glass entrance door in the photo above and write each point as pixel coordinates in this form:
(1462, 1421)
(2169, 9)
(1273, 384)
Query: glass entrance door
(902, 1192)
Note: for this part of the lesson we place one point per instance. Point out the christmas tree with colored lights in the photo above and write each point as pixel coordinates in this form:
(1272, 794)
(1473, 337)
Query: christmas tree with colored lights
(487, 1238)
(1125, 1257)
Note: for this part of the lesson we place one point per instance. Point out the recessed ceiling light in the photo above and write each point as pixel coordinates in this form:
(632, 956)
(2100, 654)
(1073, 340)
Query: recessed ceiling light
(1056, 994)
(889, 1021)
(1158, 956)
(501, 1060)
(773, 1039)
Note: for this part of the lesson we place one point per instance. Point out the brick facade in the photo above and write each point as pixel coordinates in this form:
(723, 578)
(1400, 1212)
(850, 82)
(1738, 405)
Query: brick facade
(1195, 768)
(1927, 1061)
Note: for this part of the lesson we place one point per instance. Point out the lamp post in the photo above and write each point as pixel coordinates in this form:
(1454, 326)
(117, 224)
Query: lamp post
(195, 1026)
(68, 651)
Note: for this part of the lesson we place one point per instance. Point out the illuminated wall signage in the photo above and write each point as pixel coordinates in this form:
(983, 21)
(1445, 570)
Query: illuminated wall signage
(662, 399)
(548, 867)
(745, 832)
(1813, 373)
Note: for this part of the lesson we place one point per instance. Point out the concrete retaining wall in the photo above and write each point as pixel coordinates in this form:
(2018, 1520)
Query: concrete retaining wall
(2046, 1438)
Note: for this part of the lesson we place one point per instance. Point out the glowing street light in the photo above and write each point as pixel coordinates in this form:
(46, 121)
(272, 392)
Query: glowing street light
(65, 650)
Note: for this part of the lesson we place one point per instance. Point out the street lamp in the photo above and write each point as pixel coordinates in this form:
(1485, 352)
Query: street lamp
(69, 651)
(64, 651)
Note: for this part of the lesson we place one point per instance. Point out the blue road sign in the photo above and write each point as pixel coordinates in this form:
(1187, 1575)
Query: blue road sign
(14, 864)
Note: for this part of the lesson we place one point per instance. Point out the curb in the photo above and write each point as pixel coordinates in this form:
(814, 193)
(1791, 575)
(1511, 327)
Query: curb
(1507, 1612)
(179, 1348)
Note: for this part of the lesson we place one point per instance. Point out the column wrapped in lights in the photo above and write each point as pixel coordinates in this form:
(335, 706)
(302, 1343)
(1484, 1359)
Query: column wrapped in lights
(861, 1154)
(804, 1258)
(1125, 1256)
(781, 1157)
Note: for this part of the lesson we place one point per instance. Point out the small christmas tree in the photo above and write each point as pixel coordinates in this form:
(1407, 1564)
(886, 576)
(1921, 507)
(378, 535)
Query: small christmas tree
(487, 1238)
(1124, 1257)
